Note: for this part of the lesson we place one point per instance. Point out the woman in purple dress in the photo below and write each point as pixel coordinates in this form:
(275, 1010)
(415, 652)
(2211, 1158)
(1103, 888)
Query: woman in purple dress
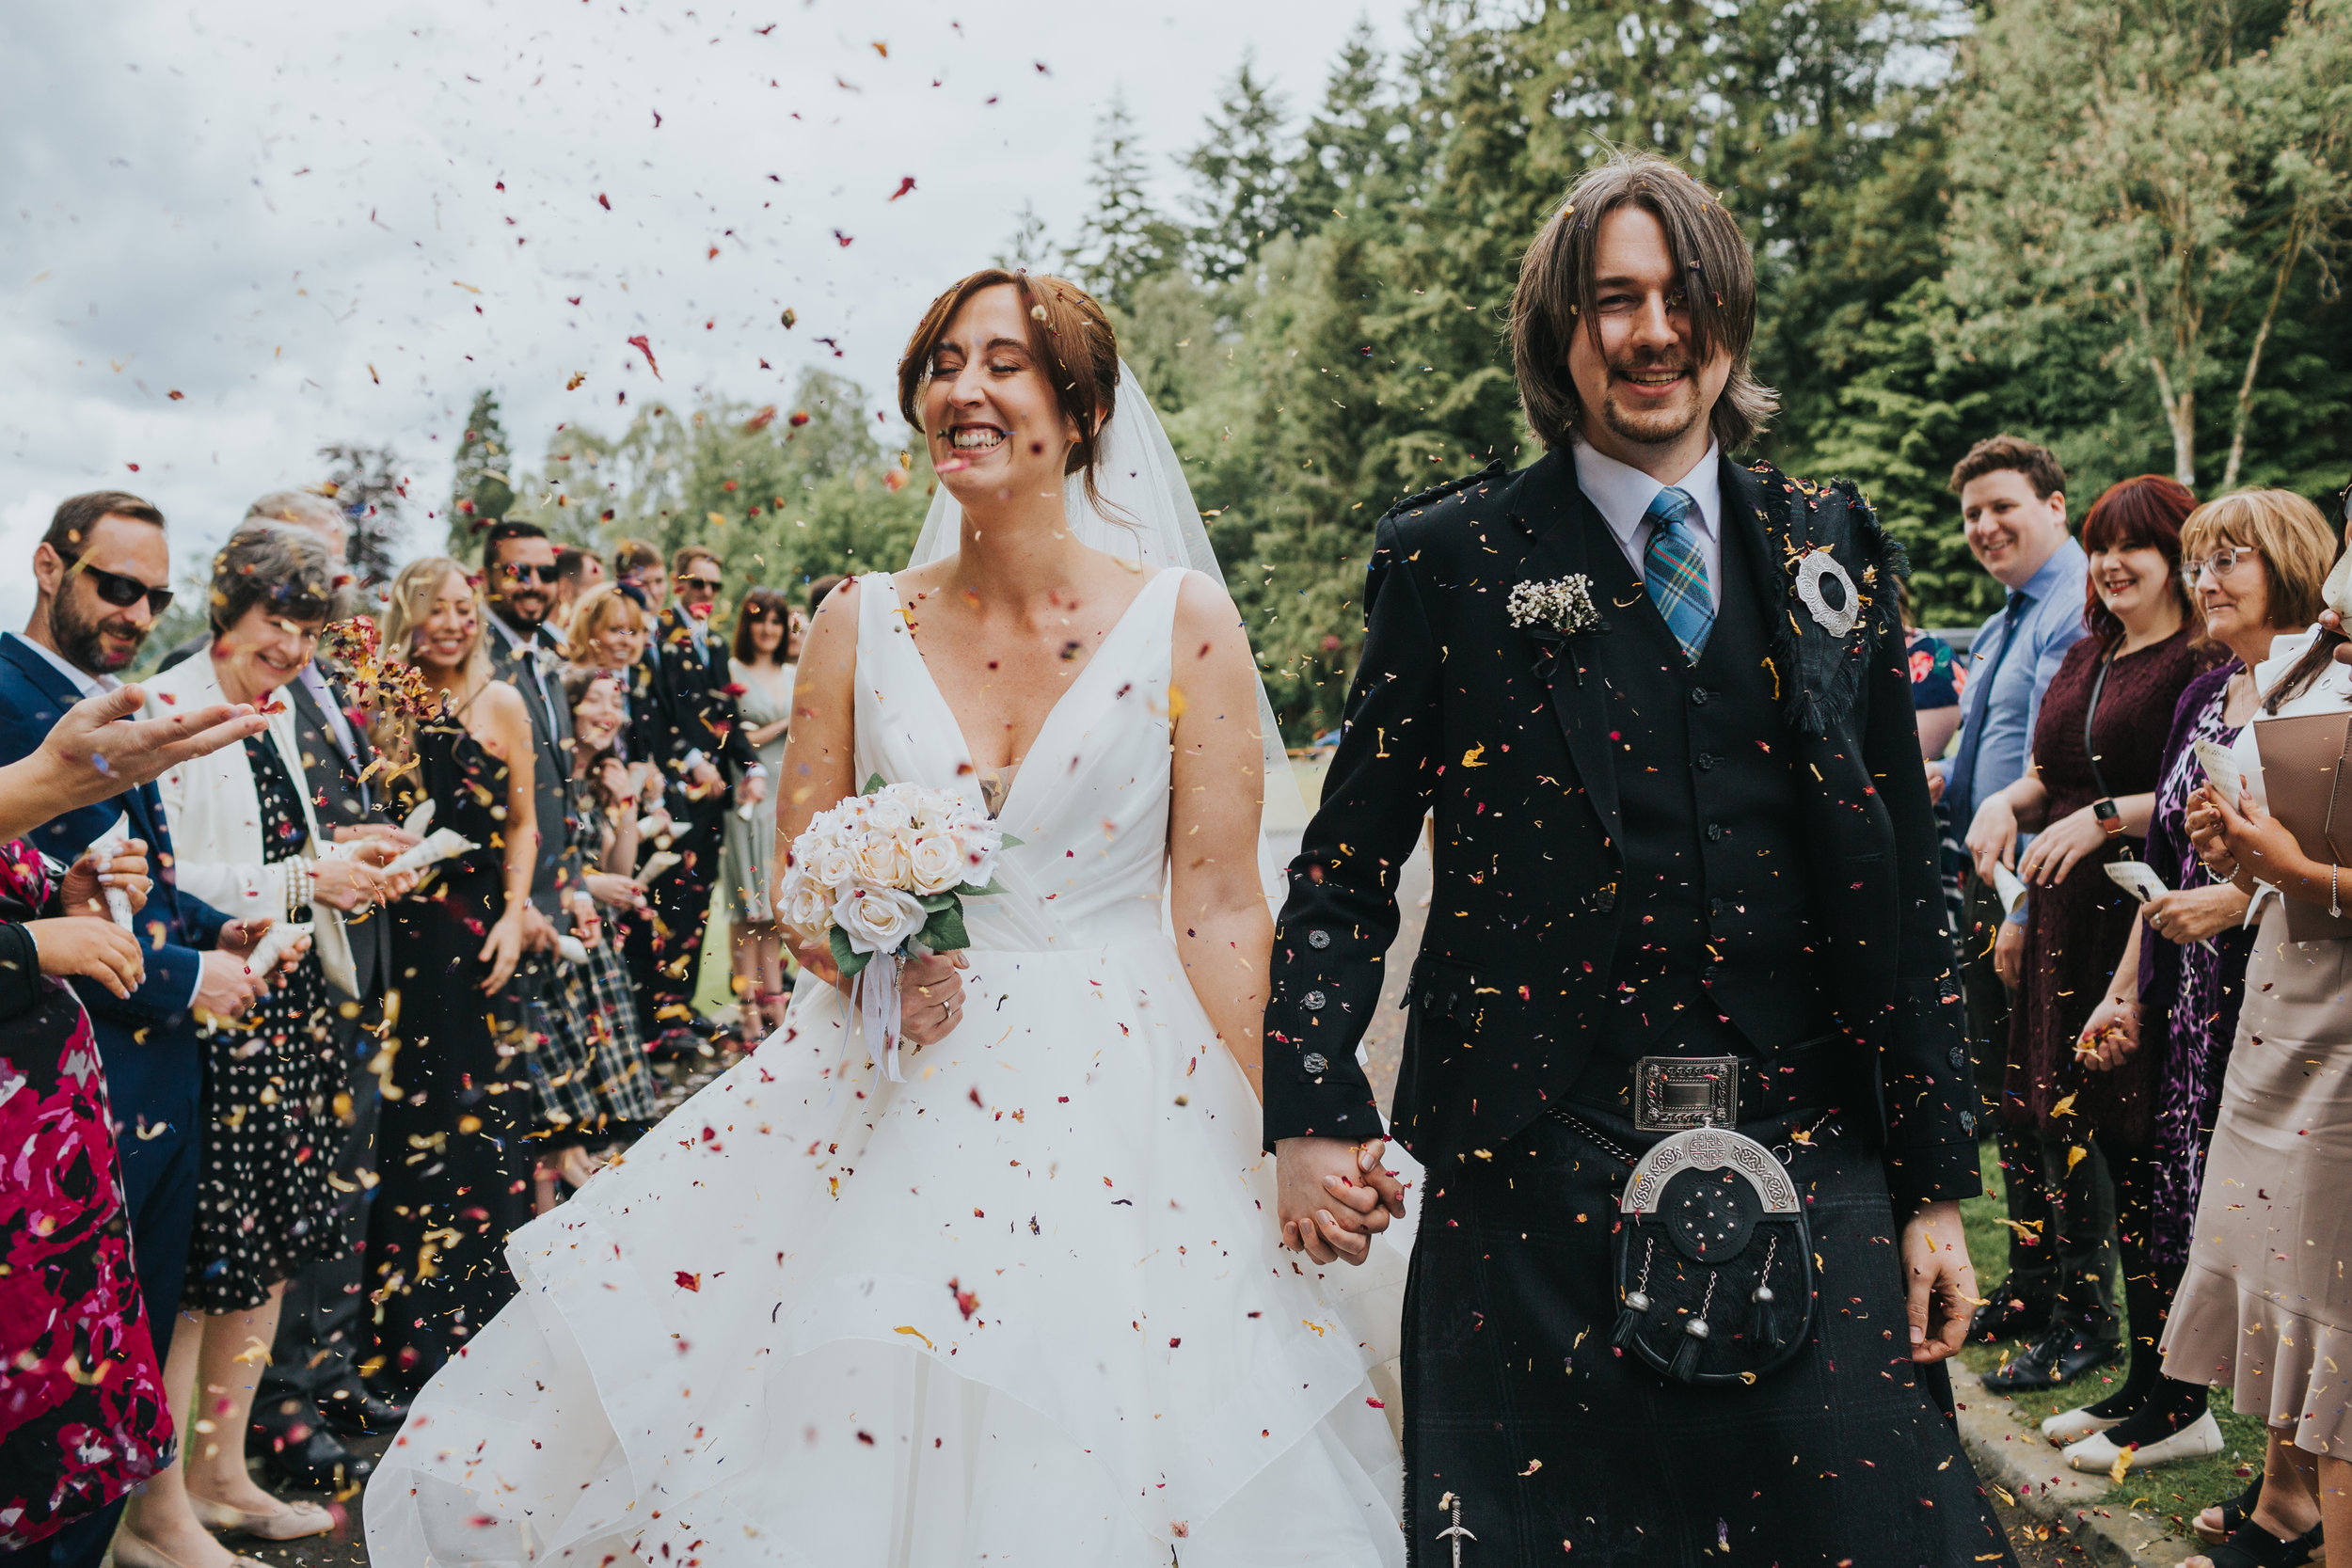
(2256, 561)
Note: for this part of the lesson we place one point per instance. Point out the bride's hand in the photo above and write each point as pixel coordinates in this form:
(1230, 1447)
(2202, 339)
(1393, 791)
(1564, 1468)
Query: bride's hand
(931, 998)
(1328, 1198)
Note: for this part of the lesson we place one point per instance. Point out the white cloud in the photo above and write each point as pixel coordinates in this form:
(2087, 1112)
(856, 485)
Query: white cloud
(284, 210)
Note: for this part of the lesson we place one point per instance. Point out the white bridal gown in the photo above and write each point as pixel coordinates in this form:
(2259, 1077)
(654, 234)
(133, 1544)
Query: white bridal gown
(1026, 1307)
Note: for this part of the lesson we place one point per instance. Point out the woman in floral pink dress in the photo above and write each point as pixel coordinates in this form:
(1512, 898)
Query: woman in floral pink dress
(82, 1411)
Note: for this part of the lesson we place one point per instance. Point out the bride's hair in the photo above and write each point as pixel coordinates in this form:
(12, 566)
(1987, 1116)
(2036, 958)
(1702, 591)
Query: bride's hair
(1068, 331)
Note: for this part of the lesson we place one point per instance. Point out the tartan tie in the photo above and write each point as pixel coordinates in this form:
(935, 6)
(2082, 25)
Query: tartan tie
(1673, 573)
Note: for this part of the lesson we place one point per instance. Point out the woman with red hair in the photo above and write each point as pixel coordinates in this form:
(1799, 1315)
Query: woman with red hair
(2085, 801)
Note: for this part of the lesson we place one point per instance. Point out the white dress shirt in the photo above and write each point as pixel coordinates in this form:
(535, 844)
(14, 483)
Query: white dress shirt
(1622, 495)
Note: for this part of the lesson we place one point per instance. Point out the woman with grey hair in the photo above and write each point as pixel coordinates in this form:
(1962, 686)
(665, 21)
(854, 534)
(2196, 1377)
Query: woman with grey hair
(248, 842)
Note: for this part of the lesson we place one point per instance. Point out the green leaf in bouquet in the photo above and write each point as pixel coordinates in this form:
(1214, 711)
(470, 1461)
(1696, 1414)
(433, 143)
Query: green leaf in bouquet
(933, 903)
(872, 785)
(1009, 842)
(976, 889)
(943, 932)
(845, 958)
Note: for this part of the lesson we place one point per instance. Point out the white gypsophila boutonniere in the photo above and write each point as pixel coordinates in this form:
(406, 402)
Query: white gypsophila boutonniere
(1563, 604)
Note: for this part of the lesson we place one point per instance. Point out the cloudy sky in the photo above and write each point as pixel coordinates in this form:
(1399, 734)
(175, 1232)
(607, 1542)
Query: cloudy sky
(233, 231)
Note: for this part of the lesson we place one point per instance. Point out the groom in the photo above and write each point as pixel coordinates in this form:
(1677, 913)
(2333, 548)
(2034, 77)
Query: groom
(1685, 873)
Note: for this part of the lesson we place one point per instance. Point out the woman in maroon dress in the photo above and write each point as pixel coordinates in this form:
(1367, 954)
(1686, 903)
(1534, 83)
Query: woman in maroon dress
(2088, 796)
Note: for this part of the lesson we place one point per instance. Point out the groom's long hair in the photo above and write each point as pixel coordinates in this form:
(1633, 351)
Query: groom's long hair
(1554, 296)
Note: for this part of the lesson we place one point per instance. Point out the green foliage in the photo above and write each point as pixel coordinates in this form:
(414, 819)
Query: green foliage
(483, 491)
(1123, 240)
(783, 503)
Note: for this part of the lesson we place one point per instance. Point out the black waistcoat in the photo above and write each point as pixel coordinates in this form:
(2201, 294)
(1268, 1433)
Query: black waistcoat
(1716, 953)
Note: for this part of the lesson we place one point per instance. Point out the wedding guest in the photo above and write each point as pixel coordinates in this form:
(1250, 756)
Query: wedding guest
(768, 632)
(1937, 679)
(99, 576)
(311, 1390)
(2097, 741)
(2260, 1311)
(2013, 502)
(577, 571)
(611, 630)
(303, 509)
(597, 1091)
(70, 1303)
(456, 1172)
(639, 566)
(703, 732)
(2257, 562)
(71, 1445)
(249, 840)
(517, 586)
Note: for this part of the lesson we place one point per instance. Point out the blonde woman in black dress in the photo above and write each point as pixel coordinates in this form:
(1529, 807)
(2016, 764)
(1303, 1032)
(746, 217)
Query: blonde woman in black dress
(455, 1171)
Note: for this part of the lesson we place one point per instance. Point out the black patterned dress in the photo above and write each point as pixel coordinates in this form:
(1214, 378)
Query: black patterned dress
(265, 1209)
(454, 1164)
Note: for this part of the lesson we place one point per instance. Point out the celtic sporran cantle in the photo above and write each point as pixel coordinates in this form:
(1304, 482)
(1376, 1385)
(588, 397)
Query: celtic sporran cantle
(1714, 1264)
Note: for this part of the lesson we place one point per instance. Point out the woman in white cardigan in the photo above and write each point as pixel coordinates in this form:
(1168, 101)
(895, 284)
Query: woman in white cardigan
(248, 842)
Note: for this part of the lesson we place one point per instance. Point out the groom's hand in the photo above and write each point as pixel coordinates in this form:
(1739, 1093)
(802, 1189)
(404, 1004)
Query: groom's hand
(1333, 1197)
(1941, 1282)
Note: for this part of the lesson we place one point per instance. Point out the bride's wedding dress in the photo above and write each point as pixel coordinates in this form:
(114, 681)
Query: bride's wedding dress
(1026, 1307)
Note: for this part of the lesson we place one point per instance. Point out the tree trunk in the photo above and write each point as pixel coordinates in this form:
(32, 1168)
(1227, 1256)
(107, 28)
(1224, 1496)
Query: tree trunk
(2290, 253)
(2180, 413)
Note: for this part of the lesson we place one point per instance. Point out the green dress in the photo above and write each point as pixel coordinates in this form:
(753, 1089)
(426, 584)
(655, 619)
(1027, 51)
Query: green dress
(749, 859)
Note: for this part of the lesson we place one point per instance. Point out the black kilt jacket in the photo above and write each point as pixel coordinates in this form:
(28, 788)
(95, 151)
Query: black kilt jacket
(1501, 730)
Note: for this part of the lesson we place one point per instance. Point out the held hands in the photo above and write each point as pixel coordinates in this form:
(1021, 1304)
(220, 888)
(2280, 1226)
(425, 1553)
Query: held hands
(2056, 848)
(1333, 1195)
(931, 998)
(93, 947)
(1992, 837)
(1940, 1281)
(83, 889)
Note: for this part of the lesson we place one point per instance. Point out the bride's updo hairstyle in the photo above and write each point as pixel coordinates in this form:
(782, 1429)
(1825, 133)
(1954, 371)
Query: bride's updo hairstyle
(1070, 336)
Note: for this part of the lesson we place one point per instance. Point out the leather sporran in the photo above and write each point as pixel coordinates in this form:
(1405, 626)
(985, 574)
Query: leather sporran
(1713, 1259)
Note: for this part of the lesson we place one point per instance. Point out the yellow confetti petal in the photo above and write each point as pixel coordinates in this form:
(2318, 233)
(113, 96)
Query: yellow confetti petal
(2076, 1155)
(1470, 758)
(910, 1328)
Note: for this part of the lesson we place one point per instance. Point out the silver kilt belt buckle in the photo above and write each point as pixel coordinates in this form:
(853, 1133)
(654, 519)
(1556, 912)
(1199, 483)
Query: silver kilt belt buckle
(1713, 1256)
(1672, 1093)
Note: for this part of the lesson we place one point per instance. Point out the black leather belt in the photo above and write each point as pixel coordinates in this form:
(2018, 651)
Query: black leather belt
(1668, 1094)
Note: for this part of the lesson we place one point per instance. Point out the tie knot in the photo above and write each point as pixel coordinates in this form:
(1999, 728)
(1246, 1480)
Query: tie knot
(2016, 600)
(1671, 506)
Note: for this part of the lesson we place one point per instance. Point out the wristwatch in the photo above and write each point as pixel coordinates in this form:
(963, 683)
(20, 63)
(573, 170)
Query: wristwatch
(2110, 817)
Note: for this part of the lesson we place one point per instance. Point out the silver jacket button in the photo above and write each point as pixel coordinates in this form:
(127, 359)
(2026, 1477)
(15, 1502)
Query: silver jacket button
(1315, 1061)
(1312, 1000)
(1318, 939)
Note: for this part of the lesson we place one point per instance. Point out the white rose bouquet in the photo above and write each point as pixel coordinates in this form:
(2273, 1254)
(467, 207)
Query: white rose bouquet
(884, 875)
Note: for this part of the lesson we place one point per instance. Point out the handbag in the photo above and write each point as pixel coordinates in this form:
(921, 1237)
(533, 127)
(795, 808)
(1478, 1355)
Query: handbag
(2303, 763)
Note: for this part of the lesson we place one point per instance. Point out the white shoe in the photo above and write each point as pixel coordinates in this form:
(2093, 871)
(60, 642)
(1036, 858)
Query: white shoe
(2096, 1454)
(2072, 1426)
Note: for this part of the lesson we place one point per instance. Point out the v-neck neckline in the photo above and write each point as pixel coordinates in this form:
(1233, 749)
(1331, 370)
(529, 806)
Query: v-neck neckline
(971, 759)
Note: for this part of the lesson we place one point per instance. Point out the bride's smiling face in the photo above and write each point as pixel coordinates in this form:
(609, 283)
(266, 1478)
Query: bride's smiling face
(995, 429)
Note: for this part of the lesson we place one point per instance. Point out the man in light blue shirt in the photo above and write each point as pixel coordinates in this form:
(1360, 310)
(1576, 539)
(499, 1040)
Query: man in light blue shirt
(2013, 501)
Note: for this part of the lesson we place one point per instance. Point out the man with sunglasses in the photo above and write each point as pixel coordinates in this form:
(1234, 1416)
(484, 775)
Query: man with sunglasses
(518, 574)
(98, 575)
(700, 730)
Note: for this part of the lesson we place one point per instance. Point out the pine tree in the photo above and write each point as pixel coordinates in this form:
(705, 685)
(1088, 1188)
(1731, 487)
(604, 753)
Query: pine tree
(365, 482)
(1124, 240)
(483, 491)
(1243, 179)
(1026, 248)
(1346, 156)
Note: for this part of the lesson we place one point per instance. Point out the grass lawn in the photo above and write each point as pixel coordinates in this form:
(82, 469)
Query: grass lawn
(2179, 1489)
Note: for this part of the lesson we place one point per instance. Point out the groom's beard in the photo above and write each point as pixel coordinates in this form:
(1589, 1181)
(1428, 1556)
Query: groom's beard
(1652, 427)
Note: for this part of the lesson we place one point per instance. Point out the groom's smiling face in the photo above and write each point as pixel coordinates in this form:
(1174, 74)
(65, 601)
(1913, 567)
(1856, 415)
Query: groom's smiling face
(1637, 376)
(994, 426)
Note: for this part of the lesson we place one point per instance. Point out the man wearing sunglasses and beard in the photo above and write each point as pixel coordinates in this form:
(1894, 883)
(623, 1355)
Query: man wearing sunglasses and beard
(98, 575)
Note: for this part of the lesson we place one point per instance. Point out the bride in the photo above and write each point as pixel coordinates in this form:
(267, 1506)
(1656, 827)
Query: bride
(1028, 1306)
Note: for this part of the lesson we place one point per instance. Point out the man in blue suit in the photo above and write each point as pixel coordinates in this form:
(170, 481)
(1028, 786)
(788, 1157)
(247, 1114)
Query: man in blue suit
(100, 572)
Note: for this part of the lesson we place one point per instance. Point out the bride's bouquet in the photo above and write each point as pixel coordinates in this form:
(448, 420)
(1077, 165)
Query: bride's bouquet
(884, 875)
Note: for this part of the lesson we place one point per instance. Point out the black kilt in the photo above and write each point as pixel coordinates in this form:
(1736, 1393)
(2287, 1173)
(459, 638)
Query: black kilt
(1560, 1449)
